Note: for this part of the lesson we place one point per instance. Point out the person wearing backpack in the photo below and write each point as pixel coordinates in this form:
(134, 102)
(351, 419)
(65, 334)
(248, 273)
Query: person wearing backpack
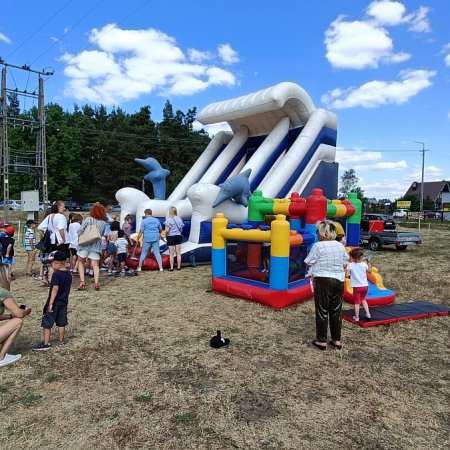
(56, 224)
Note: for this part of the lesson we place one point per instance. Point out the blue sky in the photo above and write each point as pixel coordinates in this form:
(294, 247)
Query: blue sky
(383, 67)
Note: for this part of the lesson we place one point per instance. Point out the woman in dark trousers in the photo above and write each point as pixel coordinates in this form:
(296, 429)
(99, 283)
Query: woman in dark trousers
(327, 259)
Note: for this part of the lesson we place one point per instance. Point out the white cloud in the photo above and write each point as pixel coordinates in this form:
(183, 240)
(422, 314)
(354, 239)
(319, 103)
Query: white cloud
(419, 22)
(127, 64)
(198, 56)
(385, 189)
(394, 188)
(211, 129)
(228, 55)
(390, 165)
(5, 38)
(446, 51)
(349, 158)
(359, 44)
(431, 173)
(386, 12)
(363, 160)
(376, 93)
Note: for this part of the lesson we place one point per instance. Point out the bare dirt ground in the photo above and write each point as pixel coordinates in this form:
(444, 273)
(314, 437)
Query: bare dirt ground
(138, 372)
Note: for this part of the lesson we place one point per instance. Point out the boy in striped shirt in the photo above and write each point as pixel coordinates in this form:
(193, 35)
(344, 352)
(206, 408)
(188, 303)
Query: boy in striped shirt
(30, 246)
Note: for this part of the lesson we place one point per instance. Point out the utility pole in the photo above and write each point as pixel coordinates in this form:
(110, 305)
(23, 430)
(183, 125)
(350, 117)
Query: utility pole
(423, 172)
(40, 159)
(4, 147)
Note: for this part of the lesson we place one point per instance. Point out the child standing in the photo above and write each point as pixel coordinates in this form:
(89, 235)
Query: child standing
(30, 246)
(111, 248)
(3, 225)
(75, 221)
(357, 270)
(127, 227)
(8, 249)
(121, 246)
(265, 253)
(55, 309)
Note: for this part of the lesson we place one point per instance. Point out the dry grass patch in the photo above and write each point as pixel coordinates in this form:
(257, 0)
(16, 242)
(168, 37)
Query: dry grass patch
(138, 372)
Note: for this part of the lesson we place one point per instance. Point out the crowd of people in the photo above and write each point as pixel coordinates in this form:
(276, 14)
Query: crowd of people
(73, 246)
(99, 243)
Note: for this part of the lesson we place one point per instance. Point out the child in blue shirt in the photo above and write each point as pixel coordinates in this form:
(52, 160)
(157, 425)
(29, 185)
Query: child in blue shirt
(55, 309)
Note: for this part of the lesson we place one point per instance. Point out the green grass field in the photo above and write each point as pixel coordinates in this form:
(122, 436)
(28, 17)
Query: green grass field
(138, 372)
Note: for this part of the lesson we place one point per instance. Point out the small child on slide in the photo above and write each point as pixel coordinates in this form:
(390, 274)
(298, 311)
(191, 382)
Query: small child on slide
(357, 271)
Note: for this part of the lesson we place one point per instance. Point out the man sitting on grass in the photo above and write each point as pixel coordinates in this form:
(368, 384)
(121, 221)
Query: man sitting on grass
(55, 309)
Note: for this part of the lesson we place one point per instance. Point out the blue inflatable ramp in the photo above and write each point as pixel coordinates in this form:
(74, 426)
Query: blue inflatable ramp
(381, 315)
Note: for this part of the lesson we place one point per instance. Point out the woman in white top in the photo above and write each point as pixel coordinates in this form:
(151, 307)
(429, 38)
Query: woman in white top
(327, 259)
(56, 223)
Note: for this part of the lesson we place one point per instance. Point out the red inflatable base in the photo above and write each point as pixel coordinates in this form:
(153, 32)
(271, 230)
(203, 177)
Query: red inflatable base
(266, 296)
(149, 262)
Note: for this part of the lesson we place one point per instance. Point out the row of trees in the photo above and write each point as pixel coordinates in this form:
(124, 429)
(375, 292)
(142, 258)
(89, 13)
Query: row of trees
(91, 152)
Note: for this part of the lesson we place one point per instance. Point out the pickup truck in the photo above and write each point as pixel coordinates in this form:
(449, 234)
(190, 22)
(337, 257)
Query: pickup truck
(401, 239)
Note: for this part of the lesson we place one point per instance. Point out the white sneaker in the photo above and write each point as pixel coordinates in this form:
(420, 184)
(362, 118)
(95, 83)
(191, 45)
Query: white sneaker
(9, 359)
(356, 319)
(103, 269)
(38, 278)
(368, 316)
(138, 269)
(161, 269)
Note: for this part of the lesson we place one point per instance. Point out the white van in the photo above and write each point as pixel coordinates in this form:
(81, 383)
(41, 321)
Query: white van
(400, 213)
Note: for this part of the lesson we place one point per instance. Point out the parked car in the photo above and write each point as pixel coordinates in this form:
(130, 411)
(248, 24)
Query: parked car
(87, 206)
(14, 205)
(400, 213)
(116, 208)
(431, 215)
(72, 205)
(389, 221)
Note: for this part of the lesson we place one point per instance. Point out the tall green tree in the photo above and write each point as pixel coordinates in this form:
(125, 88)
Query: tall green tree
(91, 152)
(349, 183)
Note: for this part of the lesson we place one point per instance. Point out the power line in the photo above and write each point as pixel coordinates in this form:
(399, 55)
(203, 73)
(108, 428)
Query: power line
(103, 34)
(39, 29)
(60, 38)
(364, 150)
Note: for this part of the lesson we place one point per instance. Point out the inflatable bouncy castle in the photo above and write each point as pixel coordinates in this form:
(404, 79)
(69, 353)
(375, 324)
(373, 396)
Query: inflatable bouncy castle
(237, 250)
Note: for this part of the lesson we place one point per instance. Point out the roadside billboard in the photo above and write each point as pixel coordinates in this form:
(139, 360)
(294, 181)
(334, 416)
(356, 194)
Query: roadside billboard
(403, 204)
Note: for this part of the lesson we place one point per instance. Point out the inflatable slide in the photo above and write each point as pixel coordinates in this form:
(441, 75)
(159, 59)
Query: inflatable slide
(279, 141)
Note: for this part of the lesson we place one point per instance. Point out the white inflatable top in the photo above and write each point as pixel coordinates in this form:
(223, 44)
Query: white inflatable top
(261, 110)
